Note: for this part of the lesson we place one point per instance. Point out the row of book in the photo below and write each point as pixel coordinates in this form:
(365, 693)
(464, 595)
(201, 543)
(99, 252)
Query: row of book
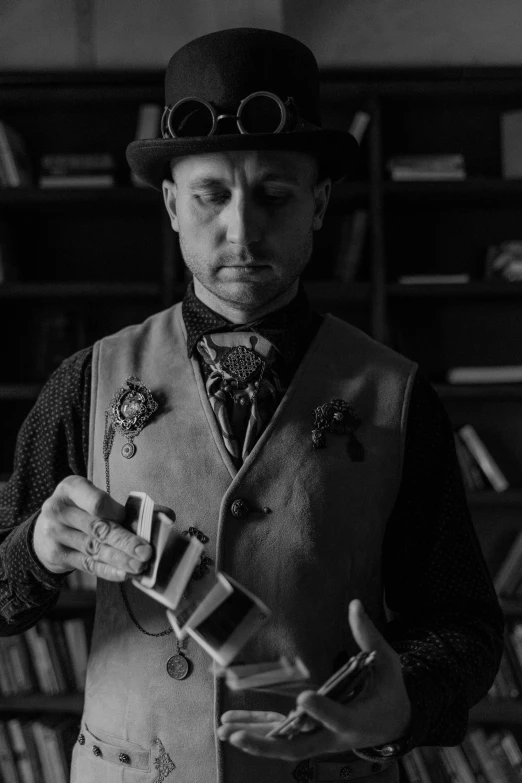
(482, 757)
(37, 750)
(50, 658)
(479, 470)
(508, 681)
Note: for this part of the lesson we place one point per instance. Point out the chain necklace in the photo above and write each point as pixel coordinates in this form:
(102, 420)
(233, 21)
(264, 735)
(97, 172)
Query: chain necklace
(178, 666)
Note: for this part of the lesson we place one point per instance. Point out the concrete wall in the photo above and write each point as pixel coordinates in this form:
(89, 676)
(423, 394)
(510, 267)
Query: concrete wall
(116, 33)
(134, 33)
(408, 32)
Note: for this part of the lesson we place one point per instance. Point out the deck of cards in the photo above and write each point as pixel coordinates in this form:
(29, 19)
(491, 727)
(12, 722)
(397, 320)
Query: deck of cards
(221, 615)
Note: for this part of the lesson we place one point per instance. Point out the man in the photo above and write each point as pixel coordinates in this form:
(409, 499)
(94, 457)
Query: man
(207, 407)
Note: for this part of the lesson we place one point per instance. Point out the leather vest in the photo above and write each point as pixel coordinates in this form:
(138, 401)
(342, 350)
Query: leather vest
(319, 547)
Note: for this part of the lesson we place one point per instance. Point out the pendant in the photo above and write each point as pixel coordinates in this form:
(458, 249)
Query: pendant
(178, 667)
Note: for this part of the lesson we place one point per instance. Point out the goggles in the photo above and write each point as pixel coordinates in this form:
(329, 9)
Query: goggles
(260, 112)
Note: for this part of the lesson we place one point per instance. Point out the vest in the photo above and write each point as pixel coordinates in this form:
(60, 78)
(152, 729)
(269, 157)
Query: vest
(319, 547)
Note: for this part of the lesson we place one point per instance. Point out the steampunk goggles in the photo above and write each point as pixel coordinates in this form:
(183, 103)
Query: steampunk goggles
(260, 112)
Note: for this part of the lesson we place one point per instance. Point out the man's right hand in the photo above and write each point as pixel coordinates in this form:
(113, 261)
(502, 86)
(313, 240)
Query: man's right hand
(79, 526)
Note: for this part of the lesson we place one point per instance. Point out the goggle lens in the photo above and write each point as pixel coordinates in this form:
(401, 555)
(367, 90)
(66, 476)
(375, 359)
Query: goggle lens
(191, 118)
(260, 114)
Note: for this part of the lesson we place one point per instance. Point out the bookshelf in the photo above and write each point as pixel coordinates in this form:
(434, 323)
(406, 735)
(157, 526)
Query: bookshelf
(88, 245)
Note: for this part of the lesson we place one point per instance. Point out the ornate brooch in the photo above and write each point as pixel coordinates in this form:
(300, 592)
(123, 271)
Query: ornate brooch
(129, 411)
(340, 418)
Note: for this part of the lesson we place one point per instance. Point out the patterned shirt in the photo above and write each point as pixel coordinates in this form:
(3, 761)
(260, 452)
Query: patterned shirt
(447, 626)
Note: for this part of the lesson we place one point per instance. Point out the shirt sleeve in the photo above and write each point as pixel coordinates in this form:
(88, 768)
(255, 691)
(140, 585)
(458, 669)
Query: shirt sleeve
(51, 445)
(447, 625)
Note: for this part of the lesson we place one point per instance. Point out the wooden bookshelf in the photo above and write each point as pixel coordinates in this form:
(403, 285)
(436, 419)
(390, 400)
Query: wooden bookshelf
(38, 703)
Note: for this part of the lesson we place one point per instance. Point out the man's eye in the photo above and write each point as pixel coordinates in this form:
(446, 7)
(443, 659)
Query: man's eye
(212, 198)
(274, 196)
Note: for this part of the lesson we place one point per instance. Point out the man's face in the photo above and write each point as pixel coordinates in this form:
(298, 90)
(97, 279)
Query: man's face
(245, 221)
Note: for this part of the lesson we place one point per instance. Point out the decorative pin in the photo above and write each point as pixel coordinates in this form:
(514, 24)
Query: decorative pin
(129, 411)
(340, 418)
(163, 763)
(205, 562)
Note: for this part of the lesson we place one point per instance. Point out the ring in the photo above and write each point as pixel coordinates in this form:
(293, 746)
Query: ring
(93, 546)
(100, 529)
(89, 564)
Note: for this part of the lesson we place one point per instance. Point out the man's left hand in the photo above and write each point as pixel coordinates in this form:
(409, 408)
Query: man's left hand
(380, 716)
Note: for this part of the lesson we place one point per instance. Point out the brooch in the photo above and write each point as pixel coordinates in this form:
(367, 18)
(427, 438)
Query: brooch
(129, 411)
(340, 418)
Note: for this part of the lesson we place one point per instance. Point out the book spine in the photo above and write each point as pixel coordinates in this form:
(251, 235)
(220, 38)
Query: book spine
(8, 769)
(498, 753)
(9, 163)
(508, 575)
(354, 251)
(489, 765)
(458, 764)
(41, 661)
(21, 753)
(484, 458)
(76, 641)
(512, 751)
(55, 755)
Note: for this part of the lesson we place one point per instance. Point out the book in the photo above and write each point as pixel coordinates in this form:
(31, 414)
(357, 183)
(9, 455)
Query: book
(22, 757)
(457, 764)
(427, 167)
(8, 769)
(434, 279)
(504, 261)
(511, 143)
(77, 648)
(490, 767)
(76, 181)
(484, 459)
(17, 664)
(474, 479)
(15, 169)
(348, 257)
(147, 127)
(502, 374)
(512, 750)
(78, 170)
(359, 124)
(281, 677)
(509, 576)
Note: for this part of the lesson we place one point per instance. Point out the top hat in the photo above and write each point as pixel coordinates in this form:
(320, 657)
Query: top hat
(221, 70)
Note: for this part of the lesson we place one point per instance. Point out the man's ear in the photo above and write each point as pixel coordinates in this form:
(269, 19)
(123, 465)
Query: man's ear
(169, 196)
(322, 191)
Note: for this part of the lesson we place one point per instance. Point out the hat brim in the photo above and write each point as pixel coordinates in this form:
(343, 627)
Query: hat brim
(337, 151)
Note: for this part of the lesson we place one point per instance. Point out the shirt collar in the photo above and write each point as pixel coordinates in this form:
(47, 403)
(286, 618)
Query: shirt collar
(282, 327)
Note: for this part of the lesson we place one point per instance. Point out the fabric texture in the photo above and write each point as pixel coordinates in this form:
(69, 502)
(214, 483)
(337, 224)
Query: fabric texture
(449, 655)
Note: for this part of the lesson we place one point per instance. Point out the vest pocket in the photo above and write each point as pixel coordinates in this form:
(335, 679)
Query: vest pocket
(102, 747)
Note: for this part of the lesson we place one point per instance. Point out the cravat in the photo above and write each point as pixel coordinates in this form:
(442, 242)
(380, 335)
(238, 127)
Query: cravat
(242, 386)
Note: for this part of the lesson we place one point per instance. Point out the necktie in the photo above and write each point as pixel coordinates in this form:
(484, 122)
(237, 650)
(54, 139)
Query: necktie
(242, 387)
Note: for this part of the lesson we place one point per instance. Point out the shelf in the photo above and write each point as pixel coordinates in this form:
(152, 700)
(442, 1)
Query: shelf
(75, 600)
(473, 188)
(511, 607)
(505, 711)
(511, 497)
(479, 391)
(19, 391)
(86, 290)
(38, 703)
(113, 196)
(335, 292)
(477, 290)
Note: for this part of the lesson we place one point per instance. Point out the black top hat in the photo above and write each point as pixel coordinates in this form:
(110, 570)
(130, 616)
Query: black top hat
(222, 69)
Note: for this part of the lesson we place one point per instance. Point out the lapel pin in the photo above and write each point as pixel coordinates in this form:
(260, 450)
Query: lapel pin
(339, 418)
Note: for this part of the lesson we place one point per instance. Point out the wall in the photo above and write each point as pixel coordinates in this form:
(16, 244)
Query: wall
(116, 33)
(134, 33)
(408, 32)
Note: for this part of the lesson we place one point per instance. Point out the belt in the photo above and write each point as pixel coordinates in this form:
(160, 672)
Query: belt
(311, 771)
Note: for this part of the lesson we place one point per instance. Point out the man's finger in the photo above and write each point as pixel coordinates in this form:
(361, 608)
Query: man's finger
(364, 631)
(301, 747)
(332, 715)
(251, 716)
(95, 567)
(80, 492)
(105, 532)
(227, 729)
(88, 545)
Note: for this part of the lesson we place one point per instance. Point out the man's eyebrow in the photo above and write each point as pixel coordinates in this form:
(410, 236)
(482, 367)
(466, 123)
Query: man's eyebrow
(287, 179)
(205, 182)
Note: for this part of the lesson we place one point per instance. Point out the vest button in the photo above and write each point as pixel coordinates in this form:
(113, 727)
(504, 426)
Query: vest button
(124, 758)
(81, 739)
(239, 509)
(96, 750)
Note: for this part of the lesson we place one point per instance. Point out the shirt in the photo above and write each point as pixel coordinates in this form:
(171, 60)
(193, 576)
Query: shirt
(447, 625)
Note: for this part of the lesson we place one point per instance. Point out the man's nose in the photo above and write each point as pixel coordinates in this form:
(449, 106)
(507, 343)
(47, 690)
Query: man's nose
(244, 221)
